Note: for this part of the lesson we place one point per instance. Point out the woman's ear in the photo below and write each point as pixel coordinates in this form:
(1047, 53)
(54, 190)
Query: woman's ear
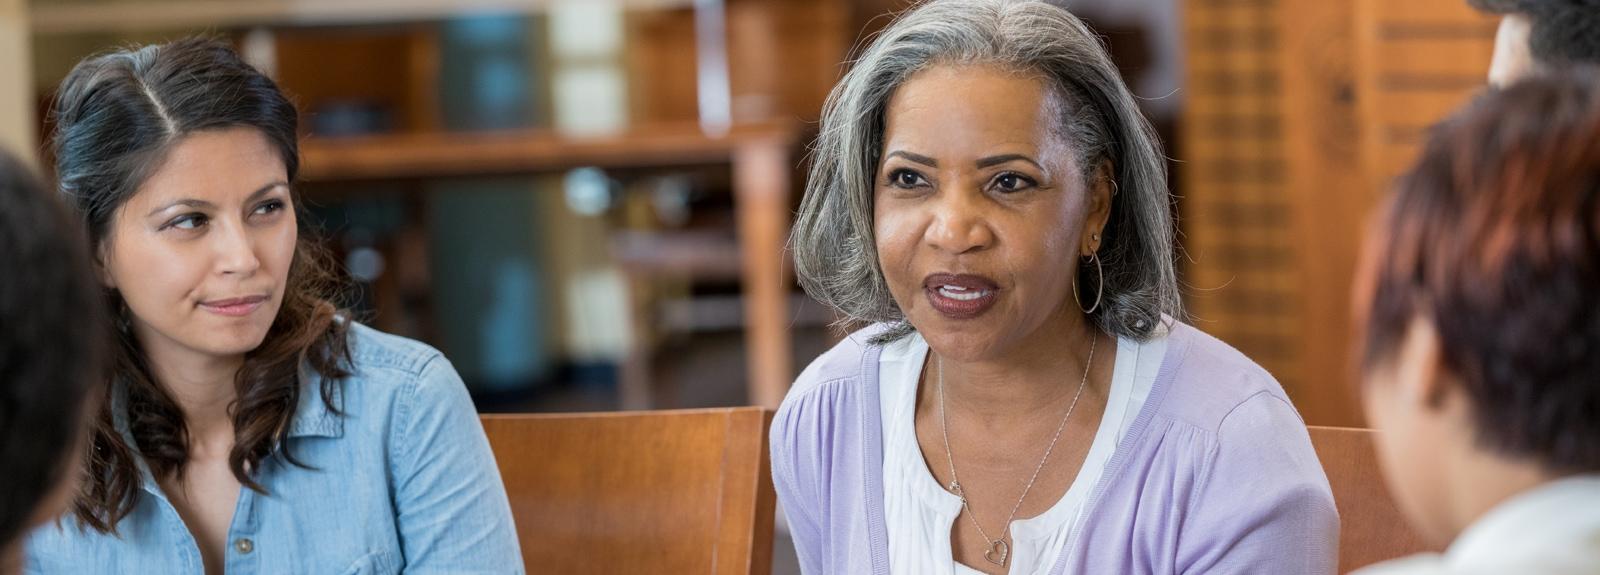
(101, 256)
(1423, 377)
(1102, 190)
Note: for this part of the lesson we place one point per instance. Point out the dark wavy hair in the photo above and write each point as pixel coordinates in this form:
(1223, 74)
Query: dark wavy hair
(117, 116)
(1494, 238)
(52, 346)
(1562, 32)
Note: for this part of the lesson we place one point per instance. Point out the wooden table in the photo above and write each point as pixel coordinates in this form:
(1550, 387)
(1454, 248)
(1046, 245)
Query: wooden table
(761, 156)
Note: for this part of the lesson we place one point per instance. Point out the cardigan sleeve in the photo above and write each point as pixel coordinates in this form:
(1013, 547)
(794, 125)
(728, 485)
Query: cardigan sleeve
(794, 465)
(1262, 503)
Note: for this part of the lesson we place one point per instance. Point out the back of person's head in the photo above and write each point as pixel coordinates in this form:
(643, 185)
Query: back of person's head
(51, 337)
(117, 118)
(1493, 239)
(1543, 34)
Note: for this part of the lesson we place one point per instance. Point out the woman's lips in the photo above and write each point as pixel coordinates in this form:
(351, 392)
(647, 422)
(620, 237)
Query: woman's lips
(234, 307)
(960, 296)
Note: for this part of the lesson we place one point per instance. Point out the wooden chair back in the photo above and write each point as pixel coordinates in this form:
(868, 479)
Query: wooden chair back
(639, 492)
(1372, 529)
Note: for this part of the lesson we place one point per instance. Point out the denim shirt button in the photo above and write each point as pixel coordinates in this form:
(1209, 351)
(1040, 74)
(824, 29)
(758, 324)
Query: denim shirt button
(244, 545)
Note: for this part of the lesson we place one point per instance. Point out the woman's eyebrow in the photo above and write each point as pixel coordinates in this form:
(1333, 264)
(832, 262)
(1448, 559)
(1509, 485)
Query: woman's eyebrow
(1003, 158)
(199, 204)
(918, 158)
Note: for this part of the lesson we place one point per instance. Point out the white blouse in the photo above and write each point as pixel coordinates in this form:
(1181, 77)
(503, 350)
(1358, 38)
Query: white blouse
(1553, 529)
(920, 513)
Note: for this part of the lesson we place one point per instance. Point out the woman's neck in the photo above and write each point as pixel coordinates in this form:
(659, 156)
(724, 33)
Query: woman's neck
(1488, 479)
(201, 384)
(1036, 376)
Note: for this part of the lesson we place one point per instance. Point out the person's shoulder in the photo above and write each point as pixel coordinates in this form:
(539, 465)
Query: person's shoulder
(1209, 380)
(830, 388)
(373, 350)
(388, 365)
(821, 417)
(846, 360)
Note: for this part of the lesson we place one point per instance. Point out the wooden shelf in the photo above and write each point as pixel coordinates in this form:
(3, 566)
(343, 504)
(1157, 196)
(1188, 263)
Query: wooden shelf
(67, 17)
(761, 157)
(474, 154)
(727, 313)
(701, 254)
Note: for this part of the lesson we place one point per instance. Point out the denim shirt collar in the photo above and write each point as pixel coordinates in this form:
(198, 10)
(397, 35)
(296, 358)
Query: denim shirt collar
(313, 417)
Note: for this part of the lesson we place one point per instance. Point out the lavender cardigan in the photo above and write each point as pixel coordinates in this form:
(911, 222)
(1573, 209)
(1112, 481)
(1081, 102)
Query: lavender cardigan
(1216, 475)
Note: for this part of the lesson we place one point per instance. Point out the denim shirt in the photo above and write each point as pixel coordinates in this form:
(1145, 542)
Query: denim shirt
(402, 482)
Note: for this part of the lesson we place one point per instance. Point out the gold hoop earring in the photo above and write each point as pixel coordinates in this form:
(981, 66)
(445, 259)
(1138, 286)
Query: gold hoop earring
(1100, 291)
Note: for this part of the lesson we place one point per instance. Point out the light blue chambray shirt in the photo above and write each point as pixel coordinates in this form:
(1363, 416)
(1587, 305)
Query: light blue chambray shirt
(403, 482)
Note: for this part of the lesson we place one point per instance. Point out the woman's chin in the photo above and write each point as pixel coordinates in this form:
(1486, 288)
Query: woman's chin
(231, 343)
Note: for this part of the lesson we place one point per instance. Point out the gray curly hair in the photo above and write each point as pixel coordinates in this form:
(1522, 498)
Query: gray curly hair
(835, 253)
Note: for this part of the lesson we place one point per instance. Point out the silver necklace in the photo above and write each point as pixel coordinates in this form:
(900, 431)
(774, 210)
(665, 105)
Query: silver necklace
(999, 551)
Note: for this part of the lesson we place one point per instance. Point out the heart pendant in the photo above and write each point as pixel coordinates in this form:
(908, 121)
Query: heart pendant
(998, 552)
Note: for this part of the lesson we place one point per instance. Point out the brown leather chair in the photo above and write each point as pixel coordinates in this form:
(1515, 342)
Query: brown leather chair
(1372, 528)
(639, 492)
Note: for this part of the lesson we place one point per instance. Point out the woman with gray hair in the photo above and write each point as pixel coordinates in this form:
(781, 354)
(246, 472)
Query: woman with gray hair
(986, 194)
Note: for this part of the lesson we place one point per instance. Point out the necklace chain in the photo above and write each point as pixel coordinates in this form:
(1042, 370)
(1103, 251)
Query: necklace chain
(998, 548)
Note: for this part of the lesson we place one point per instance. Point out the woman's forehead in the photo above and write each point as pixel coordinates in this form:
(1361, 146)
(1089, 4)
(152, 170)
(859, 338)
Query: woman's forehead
(955, 111)
(216, 166)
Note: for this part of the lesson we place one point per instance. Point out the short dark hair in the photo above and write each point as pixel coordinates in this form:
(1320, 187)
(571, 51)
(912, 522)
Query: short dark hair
(1564, 32)
(1494, 238)
(51, 344)
(117, 117)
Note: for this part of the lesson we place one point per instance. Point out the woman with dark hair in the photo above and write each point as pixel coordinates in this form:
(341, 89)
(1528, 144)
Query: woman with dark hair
(1480, 300)
(51, 354)
(985, 192)
(250, 426)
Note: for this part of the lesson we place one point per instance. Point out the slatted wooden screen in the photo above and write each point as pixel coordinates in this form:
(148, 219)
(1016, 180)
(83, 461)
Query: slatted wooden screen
(1242, 284)
(1322, 142)
(1298, 113)
(1419, 60)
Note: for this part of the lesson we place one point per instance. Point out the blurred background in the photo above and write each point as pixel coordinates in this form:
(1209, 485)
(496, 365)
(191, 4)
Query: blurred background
(585, 203)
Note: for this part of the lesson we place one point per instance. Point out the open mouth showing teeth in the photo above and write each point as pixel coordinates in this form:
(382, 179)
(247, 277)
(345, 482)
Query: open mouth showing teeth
(962, 294)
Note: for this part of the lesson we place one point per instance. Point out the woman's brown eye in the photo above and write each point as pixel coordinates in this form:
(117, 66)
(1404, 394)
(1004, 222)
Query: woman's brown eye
(906, 178)
(1012, 182)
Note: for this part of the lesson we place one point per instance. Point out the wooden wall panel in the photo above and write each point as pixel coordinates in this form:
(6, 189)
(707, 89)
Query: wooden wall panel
(1241, 281)
(1299, 113)
(1418, 61)
(1322, 142)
